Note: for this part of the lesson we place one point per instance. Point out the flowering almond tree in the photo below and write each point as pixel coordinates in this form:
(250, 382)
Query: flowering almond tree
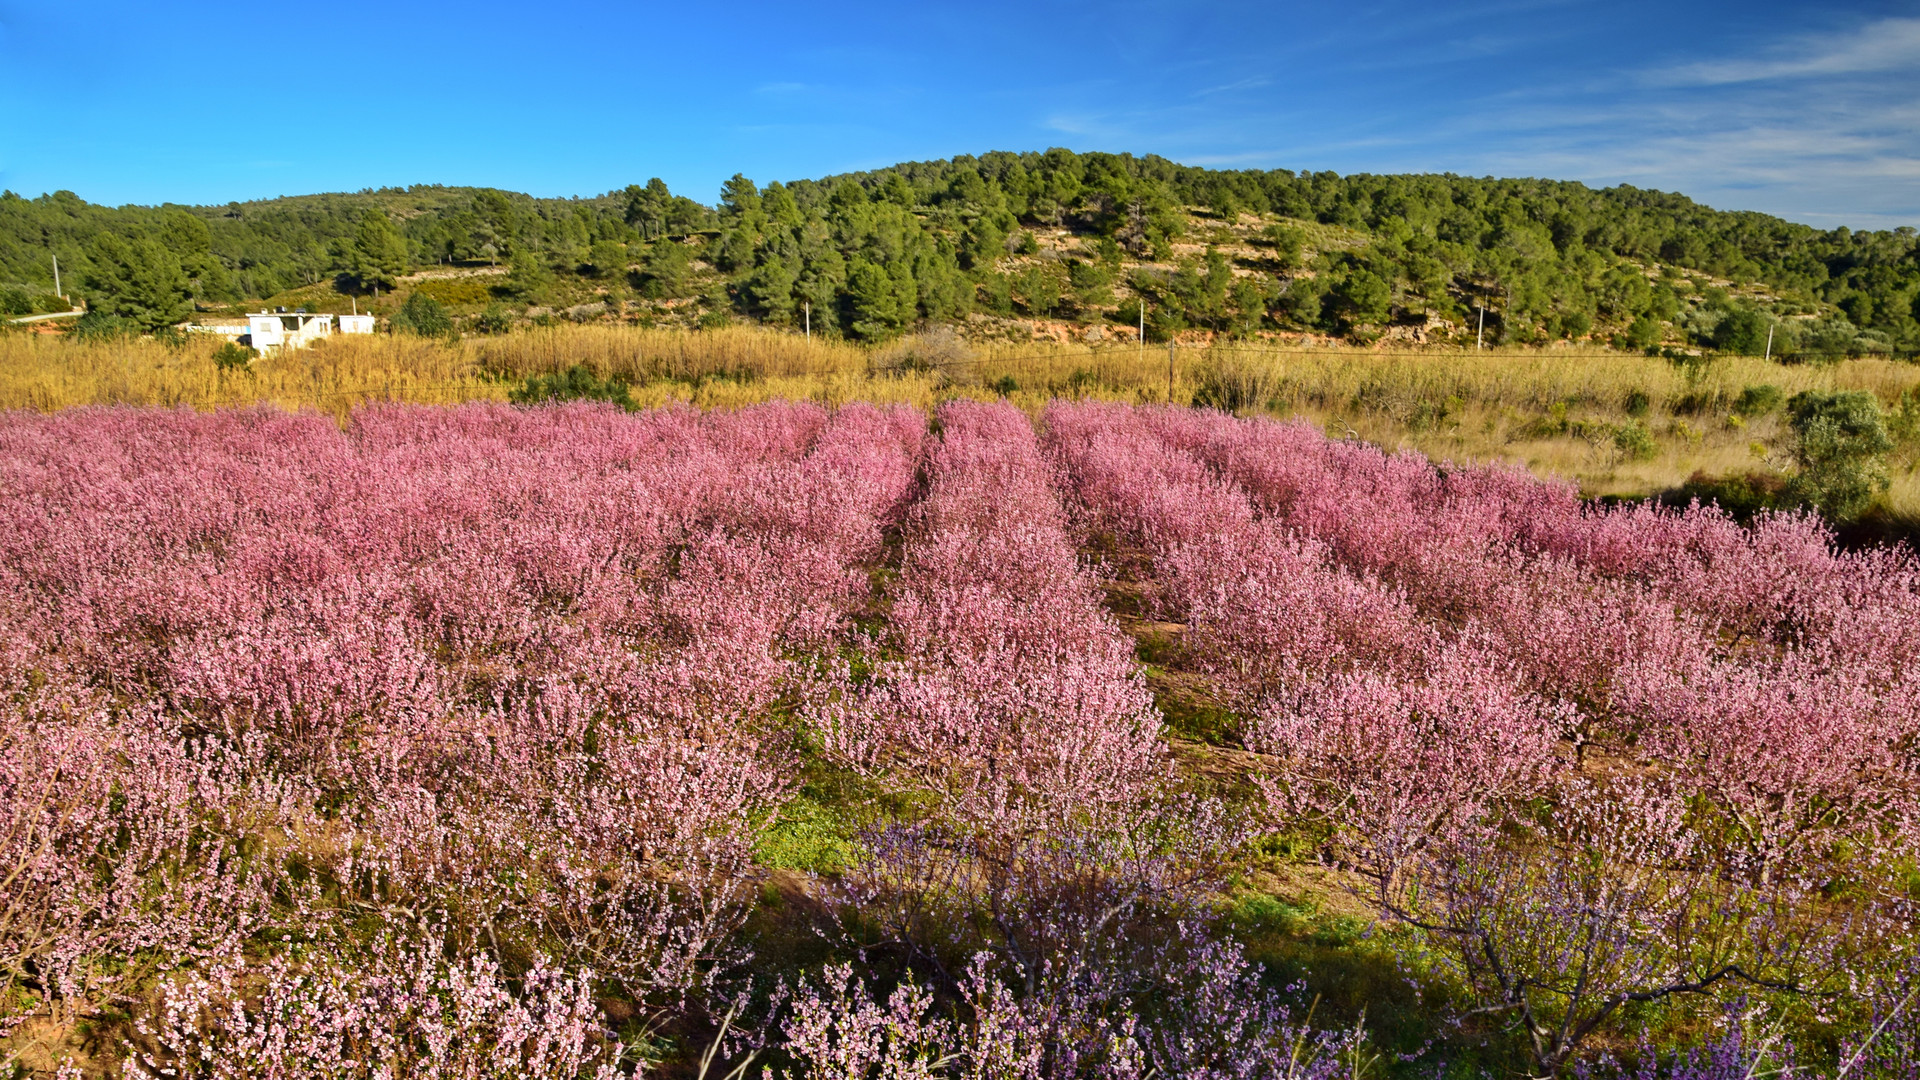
(1593, 757)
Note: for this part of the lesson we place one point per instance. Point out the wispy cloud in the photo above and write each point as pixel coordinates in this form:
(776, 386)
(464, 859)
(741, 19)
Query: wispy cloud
(1816, 127)
(1883, 45)
(1251, 83)
(1823, 129)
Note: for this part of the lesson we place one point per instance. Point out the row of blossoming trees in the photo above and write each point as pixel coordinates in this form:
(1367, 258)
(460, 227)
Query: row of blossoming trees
(439, 746)
(1594, 759)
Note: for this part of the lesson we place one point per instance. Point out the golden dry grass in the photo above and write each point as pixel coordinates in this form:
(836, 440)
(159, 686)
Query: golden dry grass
(1549, 410)
(46, 372)
(642, 355)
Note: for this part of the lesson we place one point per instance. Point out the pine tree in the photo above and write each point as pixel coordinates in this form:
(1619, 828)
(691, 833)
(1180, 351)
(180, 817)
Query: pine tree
(137, 280)
(379, 252)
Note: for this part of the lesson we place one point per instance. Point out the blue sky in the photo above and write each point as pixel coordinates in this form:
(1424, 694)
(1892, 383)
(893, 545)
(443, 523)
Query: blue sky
(1803, 110)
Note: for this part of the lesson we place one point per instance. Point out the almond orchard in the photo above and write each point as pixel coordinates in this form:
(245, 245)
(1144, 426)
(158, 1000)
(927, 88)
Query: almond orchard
(565, 742)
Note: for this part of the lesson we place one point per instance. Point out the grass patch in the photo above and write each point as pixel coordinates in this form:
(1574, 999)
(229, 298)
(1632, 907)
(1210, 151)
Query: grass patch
(1361, 971)
(807, 836)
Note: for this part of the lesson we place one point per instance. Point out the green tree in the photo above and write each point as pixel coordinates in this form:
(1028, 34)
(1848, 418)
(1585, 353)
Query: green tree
(1092, 282)
(1039, 291)
(897, 191)
(379, 252)
(780, 206)
(1841, 446)
(1363, 298)
(189, 238)
(498, 222)
(647, 207)
(425, 316)
(871, 300)
(528, 277)
(1287, 243)
(607, 258)
(1249, 306)
(734, 251)
(137, 281)
(665, 269)
(1643, 332)
(1305, 299)
(996, 293)
(770, 290)
(1743, 331)
(739, 195)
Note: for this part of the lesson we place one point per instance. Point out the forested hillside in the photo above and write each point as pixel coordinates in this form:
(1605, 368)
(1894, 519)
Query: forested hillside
(1059, 237)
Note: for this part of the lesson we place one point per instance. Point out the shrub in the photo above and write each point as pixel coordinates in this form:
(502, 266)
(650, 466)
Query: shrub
(1758, 400)
(1638, 403)
(577, 383)
(1233, 385)
(1904, 421)
(1643, 333)
(231, 356)
(1842, 444)
(425, 316)
(495, 320)
(1634, 441)
(100, 326)
(15, 302)
(1741, 496)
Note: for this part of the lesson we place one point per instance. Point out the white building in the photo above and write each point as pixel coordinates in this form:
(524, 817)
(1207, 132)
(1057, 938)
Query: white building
(298, 329)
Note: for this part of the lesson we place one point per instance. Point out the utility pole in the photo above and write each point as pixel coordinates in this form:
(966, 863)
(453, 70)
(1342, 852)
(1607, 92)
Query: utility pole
(1170, 348)
(1769, 341)
(56, 277)
(1140, 335)
(808, 305)
(1482, 332)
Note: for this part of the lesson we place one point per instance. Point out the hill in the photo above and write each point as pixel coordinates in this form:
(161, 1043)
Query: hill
(1046, 244)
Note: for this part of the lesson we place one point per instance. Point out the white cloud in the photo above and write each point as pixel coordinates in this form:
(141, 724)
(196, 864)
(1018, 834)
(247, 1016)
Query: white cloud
(1824, 130)
(1885, 45)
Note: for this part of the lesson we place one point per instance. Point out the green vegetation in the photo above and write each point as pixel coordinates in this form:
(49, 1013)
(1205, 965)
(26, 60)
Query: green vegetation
(577, 383)
(423, 315)
(379, 252)
(138, 280)
(1842, 446)
(232, 356)
(16, 301)
(1054, 236)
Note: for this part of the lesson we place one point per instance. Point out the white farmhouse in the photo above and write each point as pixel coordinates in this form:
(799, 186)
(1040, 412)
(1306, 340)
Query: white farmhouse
(283, 329)
(297, 330)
